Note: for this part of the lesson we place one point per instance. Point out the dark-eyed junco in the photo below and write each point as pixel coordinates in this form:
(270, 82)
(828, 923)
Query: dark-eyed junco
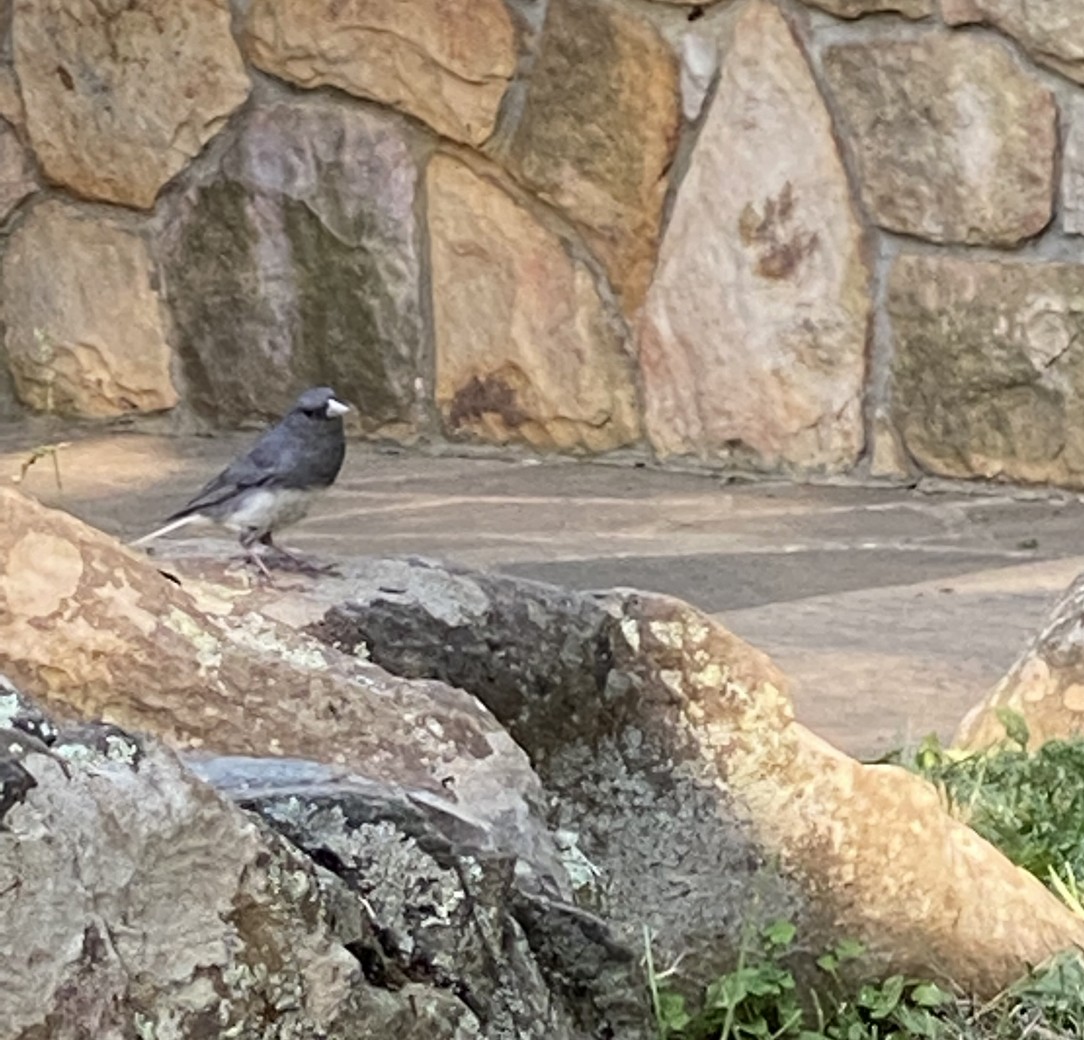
(273, 485)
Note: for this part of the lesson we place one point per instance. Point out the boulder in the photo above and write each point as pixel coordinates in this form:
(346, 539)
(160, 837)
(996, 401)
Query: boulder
(1052, 33)
(599, 129)
(84, 329)
(295, 262)
(526, 350)
(447, 62)
(332, 906)
(121, 94)
(627, 763)
(988, 369)
(694, 801)
(752, 342)
(1045, 686)
(449, 890)
(137, 902)
(447, 908)
(954, 140)
(95, 630)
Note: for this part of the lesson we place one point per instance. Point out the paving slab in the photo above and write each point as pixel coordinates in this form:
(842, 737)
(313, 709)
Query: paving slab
(892, 610)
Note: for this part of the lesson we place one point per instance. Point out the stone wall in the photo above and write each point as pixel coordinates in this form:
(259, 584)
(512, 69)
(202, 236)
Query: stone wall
(801, 236)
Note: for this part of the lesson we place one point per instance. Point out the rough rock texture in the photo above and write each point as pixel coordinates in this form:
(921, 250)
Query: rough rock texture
(1045, 685)
(17, 179)
(148, 906)
(446, 911)
(988, 377)
(1072, 169)
(686, 790)
(954, 141)
(1052, 32)
(96, 630)
(753, 338)
(84, 332)
(138, 903)
(599, 129)
(525, 348)
(447, 62)
(414, 798)
(297, 264)
(121, 94)
(677, 790)
(857, 8)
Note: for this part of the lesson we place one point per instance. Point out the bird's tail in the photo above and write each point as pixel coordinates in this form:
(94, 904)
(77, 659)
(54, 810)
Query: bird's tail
(173, 525)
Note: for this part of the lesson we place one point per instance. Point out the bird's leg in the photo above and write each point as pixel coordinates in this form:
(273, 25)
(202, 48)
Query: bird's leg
(265, 539)
(255, 557)
(252, 554)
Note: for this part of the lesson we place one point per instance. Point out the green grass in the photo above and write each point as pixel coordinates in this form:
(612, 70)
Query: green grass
(760, 1000)
(1029, 805)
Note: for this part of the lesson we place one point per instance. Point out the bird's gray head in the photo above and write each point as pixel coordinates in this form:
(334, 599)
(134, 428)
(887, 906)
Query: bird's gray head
(320, 402)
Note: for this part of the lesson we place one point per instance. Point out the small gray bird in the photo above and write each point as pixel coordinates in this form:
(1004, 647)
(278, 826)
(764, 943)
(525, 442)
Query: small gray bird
(273, 486)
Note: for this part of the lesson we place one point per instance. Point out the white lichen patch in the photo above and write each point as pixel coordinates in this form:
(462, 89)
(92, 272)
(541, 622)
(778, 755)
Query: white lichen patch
(631, 631)
(582, 873)
(669, 633)
(166, 1025)
(435, 728)
(673, 680)
(774, 698)
(208, 645)
(255, 633)
(696, 631)
(77, 754)
(711, 677)
(120, 750)
(9, 706)
(472, 869)
(294, 884)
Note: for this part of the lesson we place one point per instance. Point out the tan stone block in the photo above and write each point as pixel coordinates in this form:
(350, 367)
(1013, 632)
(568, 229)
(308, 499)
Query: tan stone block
(988, 370)
(84, 332)
(447, 62)
(954, 141)
(120, 94)
(598, 132)
(753, 338)
(525, 348)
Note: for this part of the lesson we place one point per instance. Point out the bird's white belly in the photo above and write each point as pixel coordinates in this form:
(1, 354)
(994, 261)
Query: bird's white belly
(269, 510)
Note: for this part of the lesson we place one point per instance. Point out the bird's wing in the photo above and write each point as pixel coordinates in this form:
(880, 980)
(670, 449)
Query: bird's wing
(270, 463)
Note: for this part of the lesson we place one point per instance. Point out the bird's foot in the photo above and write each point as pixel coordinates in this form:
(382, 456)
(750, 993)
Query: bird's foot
(263, 575)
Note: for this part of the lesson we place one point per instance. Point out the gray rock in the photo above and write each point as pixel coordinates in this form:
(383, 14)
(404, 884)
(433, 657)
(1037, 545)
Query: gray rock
(685, 798)
(648, 838)
(137, 902)
(445, 907)
(296, 263)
